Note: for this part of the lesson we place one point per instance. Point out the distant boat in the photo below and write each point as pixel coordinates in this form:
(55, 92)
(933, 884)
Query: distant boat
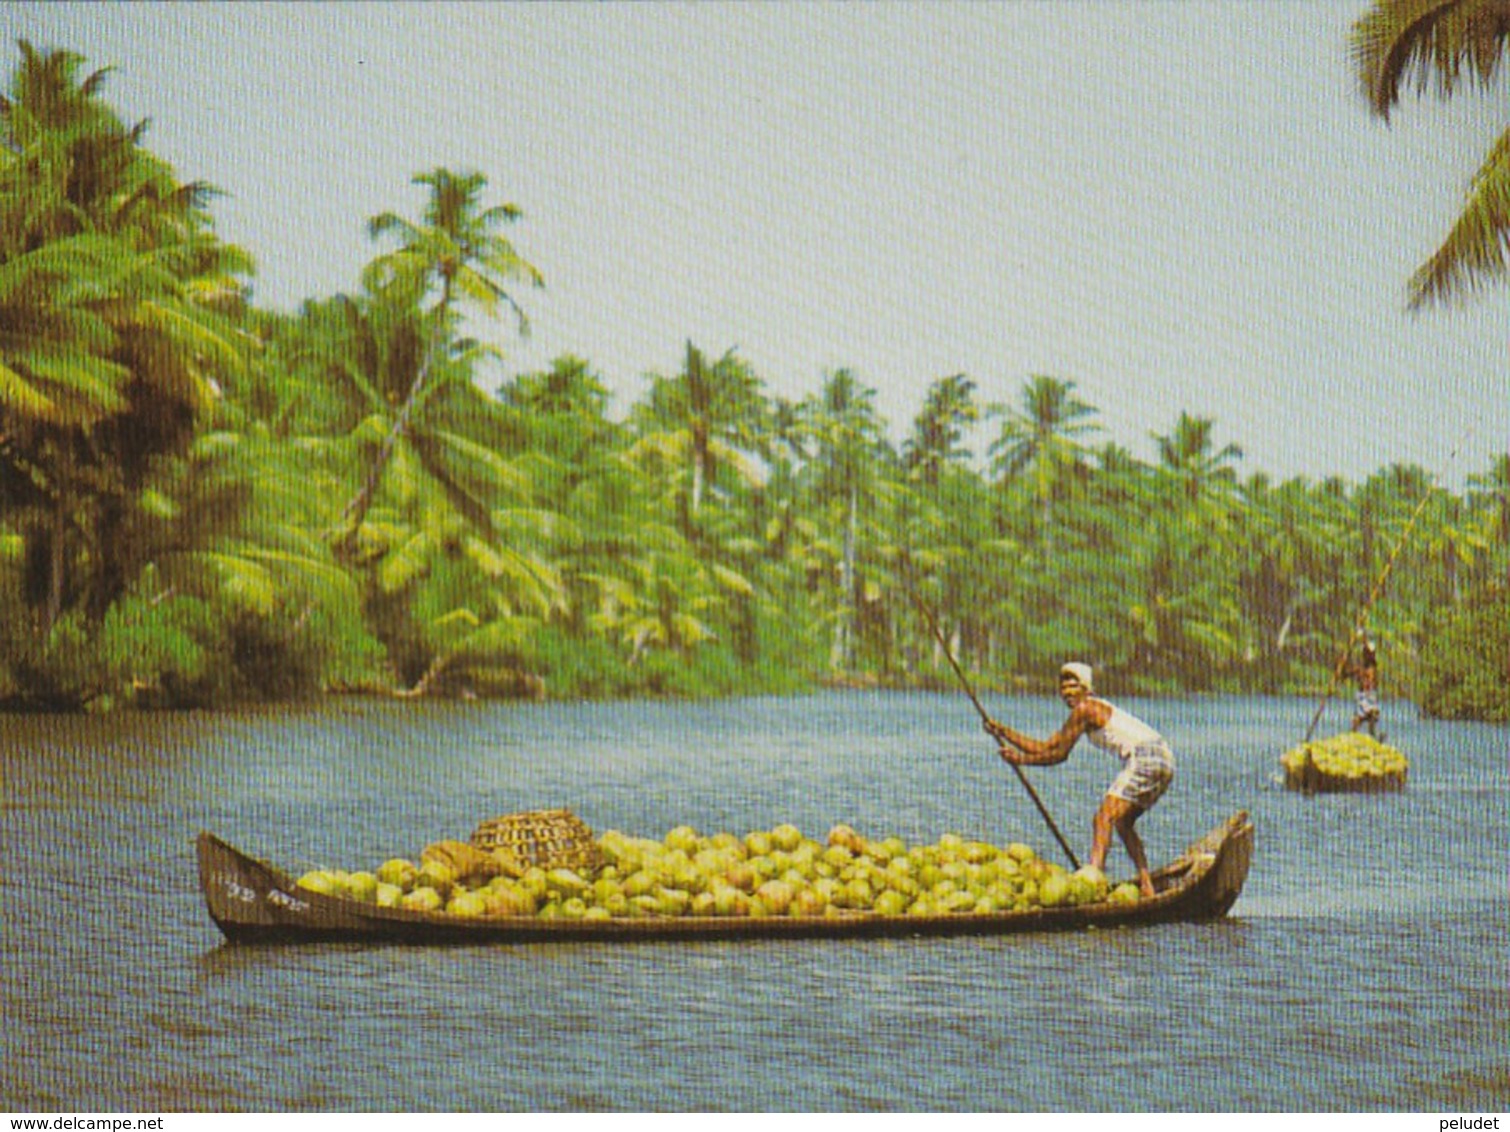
(1350, 762)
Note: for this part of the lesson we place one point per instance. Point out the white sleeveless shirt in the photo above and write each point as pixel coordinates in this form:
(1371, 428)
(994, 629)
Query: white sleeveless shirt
(1124, 734)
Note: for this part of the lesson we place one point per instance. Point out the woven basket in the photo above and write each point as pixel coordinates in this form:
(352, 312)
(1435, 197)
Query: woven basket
(550, 839)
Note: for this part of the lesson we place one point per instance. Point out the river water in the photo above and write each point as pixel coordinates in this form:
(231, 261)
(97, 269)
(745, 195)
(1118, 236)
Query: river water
(1364, 968)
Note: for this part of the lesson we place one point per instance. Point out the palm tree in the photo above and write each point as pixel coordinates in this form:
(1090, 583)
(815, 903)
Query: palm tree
(939, 427)
(457, 247)
(774, 506)
(230, 529)
(1185, 618)
(556, 422)
(1452, 543)
(669, 600)
(1040, 436)
(1489, 495)
(113, 297)
(444, 600)
(569, 388)
(706, 418)
(848, 436)
(1451, 39)
(352, 361)
(1289, 537)
(1187, 454)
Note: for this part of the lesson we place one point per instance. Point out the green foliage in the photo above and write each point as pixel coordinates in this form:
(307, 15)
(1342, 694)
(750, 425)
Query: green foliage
(202, 503)
(712, 671)
(58, 673)
(152, 649)
(1464, 671)
(580, 667)
(181, 651)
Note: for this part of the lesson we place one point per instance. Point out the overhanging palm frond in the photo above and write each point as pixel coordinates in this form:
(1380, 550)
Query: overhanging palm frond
(65, 388)
(428, 457)
(731, 580)
(315, 573)
(191, 327)
(1474, 250)
(1401, 40)
(521, 581)
(536, 525)
(21, 394)
(480, 460)
(405, 564)
(462, 619)
(246, 583)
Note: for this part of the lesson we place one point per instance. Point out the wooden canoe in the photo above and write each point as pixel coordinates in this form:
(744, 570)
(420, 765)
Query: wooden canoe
(253, 902)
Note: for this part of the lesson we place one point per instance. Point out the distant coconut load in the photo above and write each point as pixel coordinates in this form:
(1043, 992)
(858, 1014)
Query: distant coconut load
(766, 873)
(1351, 761)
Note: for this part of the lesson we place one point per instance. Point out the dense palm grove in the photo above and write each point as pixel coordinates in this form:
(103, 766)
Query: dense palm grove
(203, 502)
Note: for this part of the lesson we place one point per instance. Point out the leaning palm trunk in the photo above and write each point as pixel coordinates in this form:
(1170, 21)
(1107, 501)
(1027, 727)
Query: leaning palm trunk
(356, 511)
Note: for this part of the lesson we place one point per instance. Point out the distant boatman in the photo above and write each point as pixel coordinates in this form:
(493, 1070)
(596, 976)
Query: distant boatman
(1147, 762)
(1366, 710)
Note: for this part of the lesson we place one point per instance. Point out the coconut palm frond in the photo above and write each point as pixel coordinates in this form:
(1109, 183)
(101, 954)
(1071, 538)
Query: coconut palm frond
(731, 580)
(318, 574)
(463, 619)
(660, 448)
(405, 564)
(500, 639)
(1414, 41)
(470, 454)
(192, 332)
(1474, 251)
(526, 582)
(518, 524)
(80, 388)
(245, 582)
(21, 394)
(737, 461)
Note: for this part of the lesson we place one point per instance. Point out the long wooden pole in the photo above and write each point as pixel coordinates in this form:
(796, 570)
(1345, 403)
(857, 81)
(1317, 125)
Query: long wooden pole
(985, 716)
(1373, 596)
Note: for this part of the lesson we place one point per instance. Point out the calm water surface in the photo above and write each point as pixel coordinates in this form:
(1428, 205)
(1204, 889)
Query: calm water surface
(1364, 967)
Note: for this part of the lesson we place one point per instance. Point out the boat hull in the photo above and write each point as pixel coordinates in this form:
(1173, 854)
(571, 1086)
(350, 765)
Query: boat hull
(254, 902)
(1308, 778)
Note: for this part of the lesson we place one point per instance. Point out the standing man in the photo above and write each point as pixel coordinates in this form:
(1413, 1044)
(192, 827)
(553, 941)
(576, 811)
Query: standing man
(1147, 763)
(1366, 711)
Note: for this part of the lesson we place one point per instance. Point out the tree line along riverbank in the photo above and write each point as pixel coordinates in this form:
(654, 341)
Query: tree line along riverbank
(204, 502)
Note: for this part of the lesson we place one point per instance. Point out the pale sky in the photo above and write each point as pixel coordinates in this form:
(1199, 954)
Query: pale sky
(1177, 206)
